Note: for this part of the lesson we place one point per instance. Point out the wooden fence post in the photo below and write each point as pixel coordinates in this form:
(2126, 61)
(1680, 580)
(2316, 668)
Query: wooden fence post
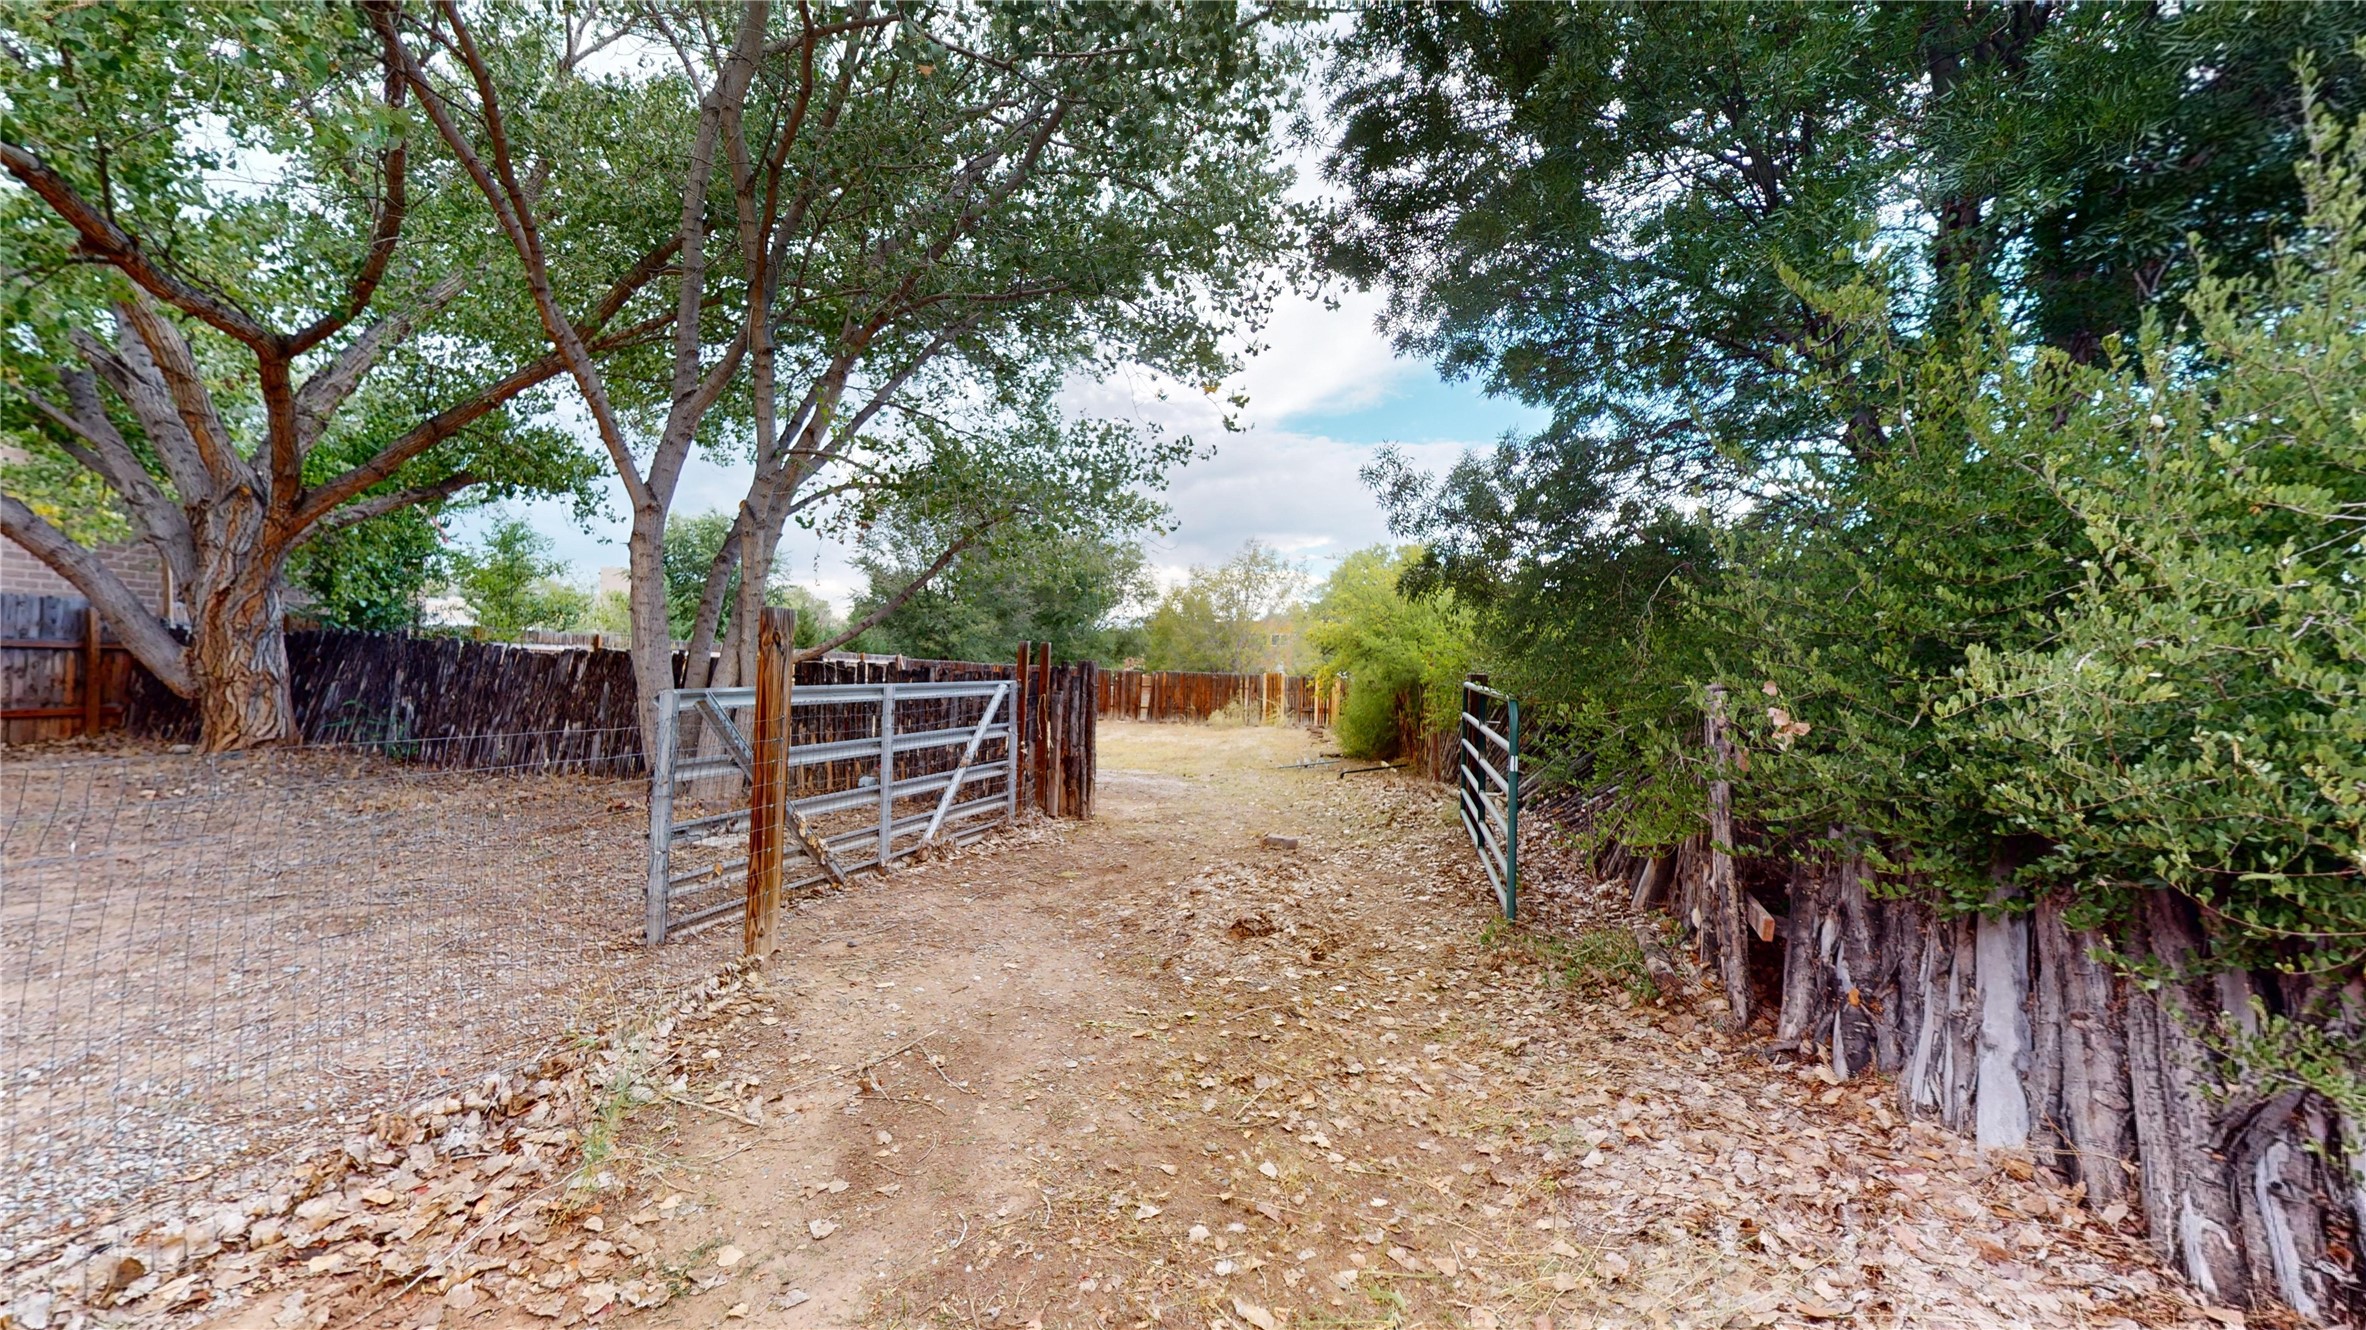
(768, 800)
(1043, 729)
(90, 670)
(1022, 717)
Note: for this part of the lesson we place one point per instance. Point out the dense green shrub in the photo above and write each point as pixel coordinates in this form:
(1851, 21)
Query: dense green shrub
(1405, 656)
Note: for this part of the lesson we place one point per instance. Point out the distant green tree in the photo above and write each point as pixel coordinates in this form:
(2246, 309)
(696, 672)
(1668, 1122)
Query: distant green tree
(373, 576)
(690, 546)
(1059, 588)
(817, 620)
(512, 583)
(691, 543)
(1221, 618)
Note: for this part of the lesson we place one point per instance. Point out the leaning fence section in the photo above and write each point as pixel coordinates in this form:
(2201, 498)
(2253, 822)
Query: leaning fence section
(1487, 785)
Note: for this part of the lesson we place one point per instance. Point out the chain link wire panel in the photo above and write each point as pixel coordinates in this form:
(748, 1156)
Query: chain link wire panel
(204, 960)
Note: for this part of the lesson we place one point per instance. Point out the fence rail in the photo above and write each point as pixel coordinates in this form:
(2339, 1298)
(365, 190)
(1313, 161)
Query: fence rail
(1487, 785)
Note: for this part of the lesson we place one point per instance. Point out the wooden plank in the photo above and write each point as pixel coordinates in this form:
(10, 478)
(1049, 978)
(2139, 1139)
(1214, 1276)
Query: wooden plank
(768, 800)
(1022, 720)
(1043, 753)
(90, 670)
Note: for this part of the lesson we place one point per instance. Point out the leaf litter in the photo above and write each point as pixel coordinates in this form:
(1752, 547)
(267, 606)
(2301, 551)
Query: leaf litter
(1386, 1110)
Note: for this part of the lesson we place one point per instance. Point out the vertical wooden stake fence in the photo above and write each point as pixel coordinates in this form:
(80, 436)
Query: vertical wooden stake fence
(1733, 957)
(768, 799)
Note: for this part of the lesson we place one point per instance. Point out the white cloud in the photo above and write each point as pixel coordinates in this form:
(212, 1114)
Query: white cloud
(1297, 491)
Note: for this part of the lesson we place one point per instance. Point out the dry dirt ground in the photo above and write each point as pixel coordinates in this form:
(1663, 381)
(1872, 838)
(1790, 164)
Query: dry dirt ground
(209, 962)
(1148, 1071)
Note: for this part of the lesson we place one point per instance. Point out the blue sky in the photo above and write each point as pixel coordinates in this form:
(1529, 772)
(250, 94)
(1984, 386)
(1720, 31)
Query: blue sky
(1418, 407)
(1325, 393)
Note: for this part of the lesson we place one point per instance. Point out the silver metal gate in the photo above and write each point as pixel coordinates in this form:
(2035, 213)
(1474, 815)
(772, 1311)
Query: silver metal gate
(877, 771)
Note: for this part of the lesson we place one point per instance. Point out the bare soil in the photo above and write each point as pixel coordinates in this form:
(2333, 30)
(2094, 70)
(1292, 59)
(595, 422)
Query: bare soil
(1148, 1071)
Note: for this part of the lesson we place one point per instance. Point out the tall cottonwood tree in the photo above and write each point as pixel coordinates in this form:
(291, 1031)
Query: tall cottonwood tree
(233, 274)
(899, 226)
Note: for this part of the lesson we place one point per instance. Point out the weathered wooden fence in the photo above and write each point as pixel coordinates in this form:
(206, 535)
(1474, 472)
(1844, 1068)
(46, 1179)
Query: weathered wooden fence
(2102, 1053)
(1187, 695)
(61, 672)
(451, 701)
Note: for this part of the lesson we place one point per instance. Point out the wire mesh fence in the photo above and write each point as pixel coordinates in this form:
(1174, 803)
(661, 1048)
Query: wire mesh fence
(207, 959)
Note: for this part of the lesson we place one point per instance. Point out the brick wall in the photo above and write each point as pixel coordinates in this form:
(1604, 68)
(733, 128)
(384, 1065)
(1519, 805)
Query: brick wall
(133, 561)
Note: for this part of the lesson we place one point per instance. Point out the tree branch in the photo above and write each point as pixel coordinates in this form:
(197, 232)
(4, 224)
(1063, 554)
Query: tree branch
(176, 369)
(379, 505)
(393, 166)
(101, 450)
(323, 498)
(896, 602)
(513, 212)
(104, 240)
(331, 384)
(133, 622)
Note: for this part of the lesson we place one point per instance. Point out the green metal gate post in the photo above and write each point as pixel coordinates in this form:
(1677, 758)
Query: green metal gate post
(1511, 809)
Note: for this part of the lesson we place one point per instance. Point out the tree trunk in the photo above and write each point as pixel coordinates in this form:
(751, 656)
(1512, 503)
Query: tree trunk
(238, 652)
(2079, 1081)
(652, 636)
(758, 539)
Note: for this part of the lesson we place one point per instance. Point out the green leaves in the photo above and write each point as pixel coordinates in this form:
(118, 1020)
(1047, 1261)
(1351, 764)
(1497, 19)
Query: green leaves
(1849, 319)
(1405, 657)
(512, 583)
(1229, 618)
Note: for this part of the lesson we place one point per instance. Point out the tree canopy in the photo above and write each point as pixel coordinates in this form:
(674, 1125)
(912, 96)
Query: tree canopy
(1905, 364)
(1226, 618)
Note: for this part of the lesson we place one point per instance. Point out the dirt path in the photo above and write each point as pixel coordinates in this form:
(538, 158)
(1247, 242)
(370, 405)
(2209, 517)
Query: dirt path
(1147, 1071)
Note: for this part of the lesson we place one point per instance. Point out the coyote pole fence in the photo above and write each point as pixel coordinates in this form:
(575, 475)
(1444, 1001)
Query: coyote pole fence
(768, 798)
